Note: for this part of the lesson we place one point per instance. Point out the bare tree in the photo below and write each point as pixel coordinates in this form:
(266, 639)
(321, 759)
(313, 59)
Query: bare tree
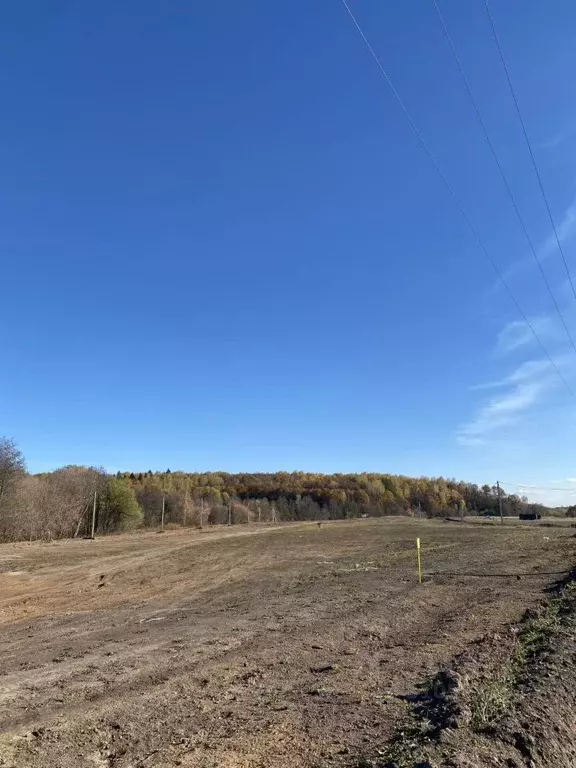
(186, 506)
(241, 512)
(65, 498)
(202, 512)
(12, 474)
(203, 504)
(12, 466)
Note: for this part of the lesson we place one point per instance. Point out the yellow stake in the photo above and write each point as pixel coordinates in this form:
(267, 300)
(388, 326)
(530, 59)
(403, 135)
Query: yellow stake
(419, 561)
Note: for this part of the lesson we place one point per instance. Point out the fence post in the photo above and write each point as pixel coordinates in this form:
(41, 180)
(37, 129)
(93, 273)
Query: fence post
(93, 531)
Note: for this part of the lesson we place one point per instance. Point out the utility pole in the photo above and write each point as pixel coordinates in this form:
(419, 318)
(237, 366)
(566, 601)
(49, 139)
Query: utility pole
(500, 502)
(92, 536)
(163, 508)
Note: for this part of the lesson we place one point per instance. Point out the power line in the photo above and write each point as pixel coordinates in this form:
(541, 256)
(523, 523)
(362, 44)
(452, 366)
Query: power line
(453, 194)
(537, 488)
(528, 144)
(501, 170)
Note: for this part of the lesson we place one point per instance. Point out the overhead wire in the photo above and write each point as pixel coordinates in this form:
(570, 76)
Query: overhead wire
(537, 488)
(453, 194)
(501, 170)
(529, 144)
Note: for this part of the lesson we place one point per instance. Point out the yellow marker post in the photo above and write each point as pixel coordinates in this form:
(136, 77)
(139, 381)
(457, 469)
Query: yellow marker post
(419, 561)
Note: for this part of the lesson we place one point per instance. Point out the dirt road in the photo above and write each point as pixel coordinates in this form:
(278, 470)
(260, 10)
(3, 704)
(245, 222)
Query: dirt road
(246, 647)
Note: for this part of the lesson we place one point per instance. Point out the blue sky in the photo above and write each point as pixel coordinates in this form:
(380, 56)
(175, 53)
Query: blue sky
(223, 248)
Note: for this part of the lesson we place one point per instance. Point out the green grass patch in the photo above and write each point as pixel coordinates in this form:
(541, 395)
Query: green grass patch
(493, 698)
(443, 703)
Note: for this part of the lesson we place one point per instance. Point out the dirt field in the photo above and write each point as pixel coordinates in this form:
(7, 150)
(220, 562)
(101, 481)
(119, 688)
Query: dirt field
(247, 647)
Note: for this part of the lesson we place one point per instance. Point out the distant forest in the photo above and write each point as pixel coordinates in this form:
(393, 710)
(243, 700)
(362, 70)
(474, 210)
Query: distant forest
(66, 502)
(287, 496)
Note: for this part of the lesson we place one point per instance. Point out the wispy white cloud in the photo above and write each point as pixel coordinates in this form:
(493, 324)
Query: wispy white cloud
(566, 229)
(564, 134)
(521, 400)
(518, 333)
(501, 411)
(554, 141)
(524, 388)
(529, 370)
(524, 372)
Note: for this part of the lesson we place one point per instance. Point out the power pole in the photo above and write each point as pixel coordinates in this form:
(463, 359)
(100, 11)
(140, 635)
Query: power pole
(500, 502)
(92, 536)
(185, 515)
(163, 508)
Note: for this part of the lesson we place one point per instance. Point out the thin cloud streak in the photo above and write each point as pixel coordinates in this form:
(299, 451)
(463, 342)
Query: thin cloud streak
(500, 412)
(525, 372)
(559, 138)
(525, 388)
(518, 333)
(566, 229)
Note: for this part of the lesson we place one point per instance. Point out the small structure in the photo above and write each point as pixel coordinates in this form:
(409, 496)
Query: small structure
(529, 516)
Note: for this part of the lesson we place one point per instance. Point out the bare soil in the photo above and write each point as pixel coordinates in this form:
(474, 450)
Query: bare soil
(292, 646)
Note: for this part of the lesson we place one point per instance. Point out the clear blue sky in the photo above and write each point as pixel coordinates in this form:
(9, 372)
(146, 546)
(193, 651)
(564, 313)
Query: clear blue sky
(223, 248)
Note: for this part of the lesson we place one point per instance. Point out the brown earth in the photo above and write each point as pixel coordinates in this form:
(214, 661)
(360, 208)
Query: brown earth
(250, 647)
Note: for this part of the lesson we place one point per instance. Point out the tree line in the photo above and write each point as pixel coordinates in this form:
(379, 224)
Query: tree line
(244, 497)
(58, 504)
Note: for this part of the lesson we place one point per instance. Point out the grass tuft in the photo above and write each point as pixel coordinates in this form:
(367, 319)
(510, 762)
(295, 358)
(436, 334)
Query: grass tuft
(493, 698)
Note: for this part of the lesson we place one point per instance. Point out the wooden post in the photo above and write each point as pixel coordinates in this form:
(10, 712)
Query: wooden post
(93, 532)
(419, 561)
(259, 511)
(163, 508)
(500, 503)
(230, 512)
